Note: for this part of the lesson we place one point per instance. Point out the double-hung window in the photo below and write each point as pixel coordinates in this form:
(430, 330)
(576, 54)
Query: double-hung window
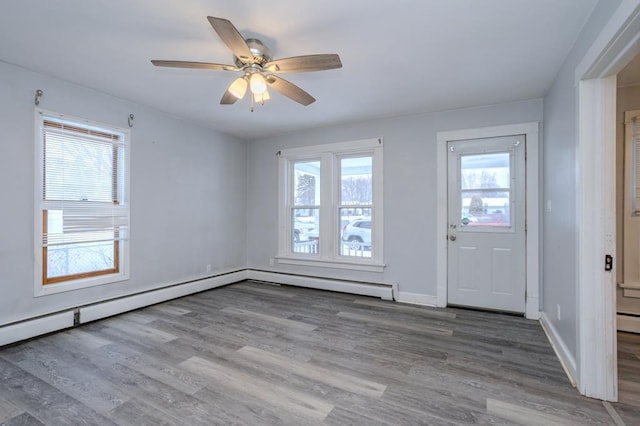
(331, 205)
(82, 209)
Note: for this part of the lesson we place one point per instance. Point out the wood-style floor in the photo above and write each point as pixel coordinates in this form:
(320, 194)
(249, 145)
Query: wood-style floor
(629, 371)
(258, 354)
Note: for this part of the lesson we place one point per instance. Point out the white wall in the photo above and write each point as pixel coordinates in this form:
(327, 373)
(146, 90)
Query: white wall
(409, 189)
(560, 229)
(188, 194)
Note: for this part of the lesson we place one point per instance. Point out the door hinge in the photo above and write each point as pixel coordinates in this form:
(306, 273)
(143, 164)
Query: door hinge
(608, 262)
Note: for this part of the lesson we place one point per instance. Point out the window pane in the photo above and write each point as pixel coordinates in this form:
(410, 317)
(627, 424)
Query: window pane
(83, 206)
(73, 259)
(356, 181)
(305, 229)
(485, 181)
(78, 170)
(306, 183)
(485, 208)
(355, 232)
(485, 171)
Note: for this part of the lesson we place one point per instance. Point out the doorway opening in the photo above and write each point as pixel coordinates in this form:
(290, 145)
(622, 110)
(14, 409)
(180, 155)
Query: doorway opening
(615, 47)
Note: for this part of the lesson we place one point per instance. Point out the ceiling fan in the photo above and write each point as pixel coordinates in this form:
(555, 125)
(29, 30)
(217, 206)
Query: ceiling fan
(259, 69)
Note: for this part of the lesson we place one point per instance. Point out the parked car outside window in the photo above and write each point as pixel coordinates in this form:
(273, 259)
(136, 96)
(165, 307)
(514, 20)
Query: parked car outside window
(357, 234)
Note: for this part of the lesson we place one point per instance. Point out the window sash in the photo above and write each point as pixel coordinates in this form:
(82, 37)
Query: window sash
(82, 193)
(330, 226)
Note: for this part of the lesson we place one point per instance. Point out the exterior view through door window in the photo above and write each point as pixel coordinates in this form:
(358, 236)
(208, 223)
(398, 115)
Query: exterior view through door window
(485, 183)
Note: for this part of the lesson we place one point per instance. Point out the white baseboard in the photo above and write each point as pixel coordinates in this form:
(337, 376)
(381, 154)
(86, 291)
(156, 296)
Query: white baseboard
(384, 291)
(562, 352)
(628, 323)
(49, 323)
(35, 327)
(417, 299)
(118, 306)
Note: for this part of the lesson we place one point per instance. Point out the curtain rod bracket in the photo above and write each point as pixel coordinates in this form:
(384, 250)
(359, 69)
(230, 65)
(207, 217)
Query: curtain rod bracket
(130, 120)
(39, 94)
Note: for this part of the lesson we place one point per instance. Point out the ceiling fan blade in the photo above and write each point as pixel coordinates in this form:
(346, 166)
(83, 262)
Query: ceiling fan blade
(232, 38)
(305, 63)
(228, 99)
(193, 65)
(289, 90)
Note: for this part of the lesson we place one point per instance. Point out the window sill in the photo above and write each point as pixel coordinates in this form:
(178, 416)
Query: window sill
(46, 289)
(332, 263)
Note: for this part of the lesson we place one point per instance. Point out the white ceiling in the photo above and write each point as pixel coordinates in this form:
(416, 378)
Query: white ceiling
(399, 56)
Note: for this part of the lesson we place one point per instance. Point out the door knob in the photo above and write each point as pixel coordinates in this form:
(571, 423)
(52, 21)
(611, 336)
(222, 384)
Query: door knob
(452, 237)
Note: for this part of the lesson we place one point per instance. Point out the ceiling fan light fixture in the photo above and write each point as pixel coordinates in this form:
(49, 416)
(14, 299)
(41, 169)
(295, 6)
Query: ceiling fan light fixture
(239, 87)
(257, 83)
(260, 98)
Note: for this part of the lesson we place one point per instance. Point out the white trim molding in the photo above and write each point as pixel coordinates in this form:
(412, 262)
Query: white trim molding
(36, 327)
(382, 290)
(531, 132)
(596, 238)
(617, 44)
(417, 299)
(613, 49)
(327, 254)
(72, 316)
(125, 304)
(562, 352)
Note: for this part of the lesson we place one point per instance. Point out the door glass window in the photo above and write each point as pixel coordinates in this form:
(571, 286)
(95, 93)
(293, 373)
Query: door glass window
(485, 190)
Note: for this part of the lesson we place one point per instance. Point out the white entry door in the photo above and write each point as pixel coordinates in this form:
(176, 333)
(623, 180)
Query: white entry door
(486, 215)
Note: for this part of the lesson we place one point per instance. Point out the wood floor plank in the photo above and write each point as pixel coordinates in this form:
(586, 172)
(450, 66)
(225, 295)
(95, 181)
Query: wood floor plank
(254, 354)
(8, 409)
(346, 382)
(370, 319)
(24, 419)
(527, 416)
(168, 308)
(406, 308)
(280, 396)
(155, 367)
(63, 373)
(77, 338)
(270, 318)
(137, 330)
(43, 401)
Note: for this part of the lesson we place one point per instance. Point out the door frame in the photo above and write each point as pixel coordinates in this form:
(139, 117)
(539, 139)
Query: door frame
(595, 77)
(532, 185)
(511, 239)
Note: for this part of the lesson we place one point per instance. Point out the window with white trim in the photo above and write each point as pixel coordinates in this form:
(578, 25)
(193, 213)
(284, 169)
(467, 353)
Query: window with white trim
(82, 209)
(331, 205)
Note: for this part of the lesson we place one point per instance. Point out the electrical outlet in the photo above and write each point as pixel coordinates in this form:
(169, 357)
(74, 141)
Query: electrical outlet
(548, 206)
(559, 316)
(272, 261)
(208, 268)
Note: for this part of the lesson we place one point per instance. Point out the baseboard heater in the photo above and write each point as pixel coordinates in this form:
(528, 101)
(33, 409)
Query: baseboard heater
(74, 316)
(381, 290)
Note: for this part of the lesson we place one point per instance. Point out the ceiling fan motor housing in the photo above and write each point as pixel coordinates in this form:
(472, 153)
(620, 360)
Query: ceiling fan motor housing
(261, 53)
